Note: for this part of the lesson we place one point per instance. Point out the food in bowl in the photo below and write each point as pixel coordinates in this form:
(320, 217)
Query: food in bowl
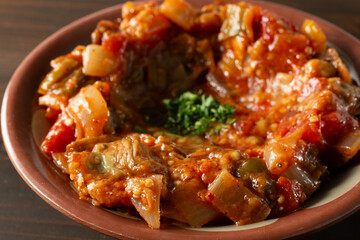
(190, 115)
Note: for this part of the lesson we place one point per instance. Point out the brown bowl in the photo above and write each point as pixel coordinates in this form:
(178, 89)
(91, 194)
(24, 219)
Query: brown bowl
(332, 203)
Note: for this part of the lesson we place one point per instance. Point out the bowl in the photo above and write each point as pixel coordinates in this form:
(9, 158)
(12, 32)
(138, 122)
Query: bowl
(21, 130)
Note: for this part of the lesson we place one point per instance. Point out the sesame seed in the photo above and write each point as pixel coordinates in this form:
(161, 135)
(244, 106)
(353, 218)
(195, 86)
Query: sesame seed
(149, 182)
(314, 119)
(80, 181)
(136, 192)
(69, 121)
(235, 155)
(281, 199)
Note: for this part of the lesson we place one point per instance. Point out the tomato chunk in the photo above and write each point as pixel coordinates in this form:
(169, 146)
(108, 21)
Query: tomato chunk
(60, 135)
(290, 195)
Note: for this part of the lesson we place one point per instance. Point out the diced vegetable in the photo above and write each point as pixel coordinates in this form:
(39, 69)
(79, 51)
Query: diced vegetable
(277, 156)
(87, 144)
(148, 204)
(333, 56)
(238, 21)
(349, 145)
(149, 25)
(290, 195)
(56, 102)
(236, 201)
(130, 9)
(180, 12)
(168, 210)
(90, 112)
(196, 211)
(233, 23)
(65, 67)
(254, 173)
(319, 68)
(307, 183)
(60, 161)
(60, 135)
(314, 32)
(98, 62)
(116, 43)
(103, 27)
(126, 157)
(205, 49)
(217, 85)
(208, 22)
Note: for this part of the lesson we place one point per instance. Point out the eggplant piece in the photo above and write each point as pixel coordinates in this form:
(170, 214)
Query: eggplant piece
(255, 175)
(333, 57)
(236, 201)
(87, 144)
(127, 157)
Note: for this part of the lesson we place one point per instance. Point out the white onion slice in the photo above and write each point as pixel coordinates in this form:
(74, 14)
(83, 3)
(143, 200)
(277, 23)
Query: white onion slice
(151, 214)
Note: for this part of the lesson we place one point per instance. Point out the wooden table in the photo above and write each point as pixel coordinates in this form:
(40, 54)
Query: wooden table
(23, 25)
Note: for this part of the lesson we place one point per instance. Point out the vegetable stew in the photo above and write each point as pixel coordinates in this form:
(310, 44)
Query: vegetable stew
(189, 115)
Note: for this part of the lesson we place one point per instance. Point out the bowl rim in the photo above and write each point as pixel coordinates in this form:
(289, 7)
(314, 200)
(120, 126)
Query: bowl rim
(297, 223)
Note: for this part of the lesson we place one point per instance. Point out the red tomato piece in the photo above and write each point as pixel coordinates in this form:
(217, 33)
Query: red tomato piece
(337, 124)
(60, 135)
(290, 195)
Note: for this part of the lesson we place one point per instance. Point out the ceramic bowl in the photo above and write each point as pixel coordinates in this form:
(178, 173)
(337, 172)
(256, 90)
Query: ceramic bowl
(21, 130)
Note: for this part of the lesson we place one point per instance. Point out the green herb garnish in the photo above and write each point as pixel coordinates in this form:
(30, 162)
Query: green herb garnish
(195, 113)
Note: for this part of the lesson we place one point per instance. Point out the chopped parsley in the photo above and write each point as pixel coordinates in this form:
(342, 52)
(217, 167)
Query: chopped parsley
(195, 113)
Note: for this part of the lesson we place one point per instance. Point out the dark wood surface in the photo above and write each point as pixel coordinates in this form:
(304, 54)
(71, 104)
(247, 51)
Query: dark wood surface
(23, 25)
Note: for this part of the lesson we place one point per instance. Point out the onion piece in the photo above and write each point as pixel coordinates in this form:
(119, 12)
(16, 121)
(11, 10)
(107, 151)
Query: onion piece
(308, 184)
(349, 145)
(168, 210)
(278, 155)
(61, 161)
(180, 12)
(218, 86)
(89, 109)
(149, 207)
(236, 201)
(315, 34)
(196, 211)
(97, 61)
(233, 23)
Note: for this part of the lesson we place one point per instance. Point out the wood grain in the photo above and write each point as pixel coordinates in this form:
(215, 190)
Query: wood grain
(23, 25)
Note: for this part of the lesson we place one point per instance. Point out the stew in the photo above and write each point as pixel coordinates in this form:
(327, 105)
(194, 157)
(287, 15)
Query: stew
(191, 114)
